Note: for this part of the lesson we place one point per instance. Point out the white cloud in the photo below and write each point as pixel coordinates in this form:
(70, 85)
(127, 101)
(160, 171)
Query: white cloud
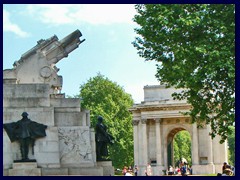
(51, 13)
(58, 14)
(11, 27)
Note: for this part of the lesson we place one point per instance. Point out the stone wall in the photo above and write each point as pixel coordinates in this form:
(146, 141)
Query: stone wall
(70, 142)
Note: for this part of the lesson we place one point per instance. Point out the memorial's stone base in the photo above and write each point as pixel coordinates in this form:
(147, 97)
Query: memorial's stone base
(73, 171)
(30, 169)
(108, 169)
(25, 169)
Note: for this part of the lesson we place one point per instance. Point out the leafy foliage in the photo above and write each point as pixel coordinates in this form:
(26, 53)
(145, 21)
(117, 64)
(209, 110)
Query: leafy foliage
(231, 145)
(194, 45)
(104, 97)
(182, 147)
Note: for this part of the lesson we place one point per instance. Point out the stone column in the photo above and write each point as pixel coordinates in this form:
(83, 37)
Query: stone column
(159, 156)
(158, 143)
(165, 154)
(195, 157)
(88, 118)
(136, 140)
(144, 141)
(210, 153)
(210, 166)
(172, 153)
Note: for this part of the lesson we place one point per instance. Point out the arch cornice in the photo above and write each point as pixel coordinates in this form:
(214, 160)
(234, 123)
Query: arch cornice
(160, 107)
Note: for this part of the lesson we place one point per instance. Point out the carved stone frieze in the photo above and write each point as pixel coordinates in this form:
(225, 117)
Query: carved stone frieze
(74, 144)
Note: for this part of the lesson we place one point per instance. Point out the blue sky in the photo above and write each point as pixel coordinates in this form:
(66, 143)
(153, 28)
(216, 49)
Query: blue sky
(108, 30)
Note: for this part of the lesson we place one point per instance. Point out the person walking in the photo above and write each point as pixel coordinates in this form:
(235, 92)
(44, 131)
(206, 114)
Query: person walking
(170, 171)
(135, 170)
(149, 170)
(224, 166)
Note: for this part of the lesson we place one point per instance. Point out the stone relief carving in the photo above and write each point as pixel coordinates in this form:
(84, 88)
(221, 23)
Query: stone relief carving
(74, 144)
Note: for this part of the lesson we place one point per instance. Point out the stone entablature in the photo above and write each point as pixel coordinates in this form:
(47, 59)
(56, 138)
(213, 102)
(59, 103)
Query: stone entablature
(160, 107)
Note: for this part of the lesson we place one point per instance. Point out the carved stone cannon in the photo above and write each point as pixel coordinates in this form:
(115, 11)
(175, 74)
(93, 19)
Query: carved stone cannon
(37, 65)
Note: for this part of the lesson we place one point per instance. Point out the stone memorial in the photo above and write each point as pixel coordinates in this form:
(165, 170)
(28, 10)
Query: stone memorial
(34, 86)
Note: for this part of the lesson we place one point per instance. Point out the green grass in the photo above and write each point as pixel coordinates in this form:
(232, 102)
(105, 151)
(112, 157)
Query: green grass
(205, 175)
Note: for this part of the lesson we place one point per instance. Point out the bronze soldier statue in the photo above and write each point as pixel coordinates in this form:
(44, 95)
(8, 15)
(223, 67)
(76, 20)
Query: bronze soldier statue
(25, 131)
(102, 139)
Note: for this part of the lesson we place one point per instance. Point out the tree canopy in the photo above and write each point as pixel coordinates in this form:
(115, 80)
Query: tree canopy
(231, 146)
(107, 99)
(182, 147)
(194, 47)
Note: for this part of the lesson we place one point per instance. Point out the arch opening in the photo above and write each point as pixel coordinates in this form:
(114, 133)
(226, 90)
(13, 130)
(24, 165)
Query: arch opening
(179, 147)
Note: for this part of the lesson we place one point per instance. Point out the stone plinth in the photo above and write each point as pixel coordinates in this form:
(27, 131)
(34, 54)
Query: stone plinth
(54, 171)
(108, 169)
(83, 171)
(25, 169)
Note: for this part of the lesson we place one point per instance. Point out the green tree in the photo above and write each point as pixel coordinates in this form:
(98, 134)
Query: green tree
(231, 146)
(182, 147)
(194, 46)
(104, 97)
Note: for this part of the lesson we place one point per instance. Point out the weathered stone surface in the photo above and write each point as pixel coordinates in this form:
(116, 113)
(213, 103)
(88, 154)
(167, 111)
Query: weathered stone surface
(54, 171)
(71, 103)
(93, 171)
(25, 169)
(75, 146)
(26, 90)
(25, 172)
(5, 172)
(25, 165)
(67, 119)
(108, 169)
(158, 93)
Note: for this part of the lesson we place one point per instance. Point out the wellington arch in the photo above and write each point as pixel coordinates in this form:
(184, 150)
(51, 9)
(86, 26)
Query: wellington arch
(157, 119)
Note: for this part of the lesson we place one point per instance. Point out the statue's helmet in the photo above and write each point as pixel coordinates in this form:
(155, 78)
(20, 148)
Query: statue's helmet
(100, 118)
(24, 114)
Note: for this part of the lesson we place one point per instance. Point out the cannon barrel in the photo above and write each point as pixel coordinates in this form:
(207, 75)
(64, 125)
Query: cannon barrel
(71, 41)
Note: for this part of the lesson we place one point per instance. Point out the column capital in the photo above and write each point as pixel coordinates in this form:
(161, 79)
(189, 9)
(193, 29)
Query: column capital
(135, 122)
(157, 120)
(143, 121)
